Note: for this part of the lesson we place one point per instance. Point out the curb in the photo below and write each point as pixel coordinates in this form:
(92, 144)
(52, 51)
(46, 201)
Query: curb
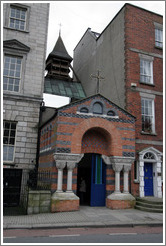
(79, 225)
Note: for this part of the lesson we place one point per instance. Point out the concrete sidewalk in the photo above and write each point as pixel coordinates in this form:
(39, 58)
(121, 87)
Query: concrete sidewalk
(85, 217)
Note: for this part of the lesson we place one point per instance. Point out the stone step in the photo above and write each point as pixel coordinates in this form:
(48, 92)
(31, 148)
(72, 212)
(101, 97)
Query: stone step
(154, 210)
(157, 201)
(149, 205)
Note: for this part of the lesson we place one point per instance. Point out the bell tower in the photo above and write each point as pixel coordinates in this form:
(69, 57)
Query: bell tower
(58, 61)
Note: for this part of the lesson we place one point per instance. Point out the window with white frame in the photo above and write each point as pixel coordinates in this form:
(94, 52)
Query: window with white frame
(9, 135)
(158, 37)
(148, 119)
(17, 18)
(12, 73)
(146, 71)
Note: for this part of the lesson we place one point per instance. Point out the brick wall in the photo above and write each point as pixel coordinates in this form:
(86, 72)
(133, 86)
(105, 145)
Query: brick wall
(75, 133)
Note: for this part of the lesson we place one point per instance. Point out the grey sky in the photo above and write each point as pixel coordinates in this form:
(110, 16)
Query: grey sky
(76, 16)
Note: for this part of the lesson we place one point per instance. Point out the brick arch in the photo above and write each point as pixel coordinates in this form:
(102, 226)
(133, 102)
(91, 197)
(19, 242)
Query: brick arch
(96, 140)
(104, 127)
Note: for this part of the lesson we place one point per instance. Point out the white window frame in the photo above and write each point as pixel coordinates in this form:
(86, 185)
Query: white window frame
(20, 7)
(158, 38)
(148, 74)
(10, 145)
(152, 115)
(13, 77)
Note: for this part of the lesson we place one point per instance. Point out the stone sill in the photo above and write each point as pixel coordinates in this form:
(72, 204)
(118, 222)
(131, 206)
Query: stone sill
(149, 84)
(136, 181)
(147, 133)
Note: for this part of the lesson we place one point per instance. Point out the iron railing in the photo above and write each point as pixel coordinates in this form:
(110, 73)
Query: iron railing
(39, 180)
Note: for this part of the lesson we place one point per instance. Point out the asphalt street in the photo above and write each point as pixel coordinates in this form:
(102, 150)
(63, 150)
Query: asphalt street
(86, 235)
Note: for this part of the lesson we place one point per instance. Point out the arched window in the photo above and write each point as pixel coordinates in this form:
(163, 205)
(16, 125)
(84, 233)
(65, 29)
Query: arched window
(111, 113)
(97, 108)
(84, 110)
(149, 156)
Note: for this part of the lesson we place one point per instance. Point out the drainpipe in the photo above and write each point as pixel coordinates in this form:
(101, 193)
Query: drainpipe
(38, 136)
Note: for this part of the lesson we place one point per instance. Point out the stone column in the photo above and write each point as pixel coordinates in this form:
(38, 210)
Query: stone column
(70, 167)
(117, 169)
(125, 178)
(118, 200)
(72, 159)
(60, 166)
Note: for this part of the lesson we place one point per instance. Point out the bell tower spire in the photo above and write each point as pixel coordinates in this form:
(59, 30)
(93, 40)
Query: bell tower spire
(58, 61)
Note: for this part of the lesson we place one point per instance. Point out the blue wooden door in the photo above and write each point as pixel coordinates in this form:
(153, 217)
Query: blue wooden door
(97, 181)
(148, 179)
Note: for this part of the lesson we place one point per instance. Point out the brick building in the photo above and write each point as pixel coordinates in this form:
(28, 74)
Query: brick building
(24, 47)
(128, 54)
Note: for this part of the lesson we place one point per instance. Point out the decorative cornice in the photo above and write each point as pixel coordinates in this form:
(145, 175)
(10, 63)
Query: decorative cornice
(16, 45)
(67, 159)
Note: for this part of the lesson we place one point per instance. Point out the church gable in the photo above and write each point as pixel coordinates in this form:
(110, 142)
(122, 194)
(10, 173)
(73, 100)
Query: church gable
(96, 106)
(80, 124)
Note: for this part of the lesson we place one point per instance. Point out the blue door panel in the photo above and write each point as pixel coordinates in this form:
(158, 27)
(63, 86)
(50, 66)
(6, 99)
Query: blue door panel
(148, 179)
(97, 181)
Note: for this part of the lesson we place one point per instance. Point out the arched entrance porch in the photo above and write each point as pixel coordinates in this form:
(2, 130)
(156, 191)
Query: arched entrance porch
(96, 141)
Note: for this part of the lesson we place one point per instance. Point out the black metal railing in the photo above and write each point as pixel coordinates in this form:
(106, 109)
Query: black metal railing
(39, 180)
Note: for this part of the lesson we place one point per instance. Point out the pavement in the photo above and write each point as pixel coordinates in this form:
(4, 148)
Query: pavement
(85, 217)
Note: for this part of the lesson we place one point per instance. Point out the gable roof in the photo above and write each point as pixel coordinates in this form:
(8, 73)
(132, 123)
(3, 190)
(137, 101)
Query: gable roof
(95, 97)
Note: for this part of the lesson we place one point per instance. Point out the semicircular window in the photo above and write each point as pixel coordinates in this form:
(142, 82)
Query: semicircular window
(97, 108)
(111, 113)
(84, 110)
(149, 156)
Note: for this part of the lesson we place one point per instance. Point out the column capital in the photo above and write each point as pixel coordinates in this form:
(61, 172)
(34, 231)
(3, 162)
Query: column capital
(117, 167)
(127, 168)
(71, 165)
(60, 164)
(63, 159)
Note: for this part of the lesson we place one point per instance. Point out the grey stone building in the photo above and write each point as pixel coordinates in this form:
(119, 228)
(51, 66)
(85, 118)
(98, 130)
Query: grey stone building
(24, 48)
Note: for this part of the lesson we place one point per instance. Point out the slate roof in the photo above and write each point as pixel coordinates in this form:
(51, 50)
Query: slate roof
(60, 51)
(59, 87)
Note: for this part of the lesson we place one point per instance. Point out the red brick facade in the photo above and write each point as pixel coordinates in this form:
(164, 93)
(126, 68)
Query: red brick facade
(140, 39)
(73, 132)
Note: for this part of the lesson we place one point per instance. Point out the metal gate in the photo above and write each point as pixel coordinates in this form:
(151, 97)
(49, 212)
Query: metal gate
(11, 186)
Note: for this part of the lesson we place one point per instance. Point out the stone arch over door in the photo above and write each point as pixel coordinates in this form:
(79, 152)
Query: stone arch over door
(107, 131)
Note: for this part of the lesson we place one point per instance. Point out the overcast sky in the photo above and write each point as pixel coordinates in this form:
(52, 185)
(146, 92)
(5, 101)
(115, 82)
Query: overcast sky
(76, 16)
